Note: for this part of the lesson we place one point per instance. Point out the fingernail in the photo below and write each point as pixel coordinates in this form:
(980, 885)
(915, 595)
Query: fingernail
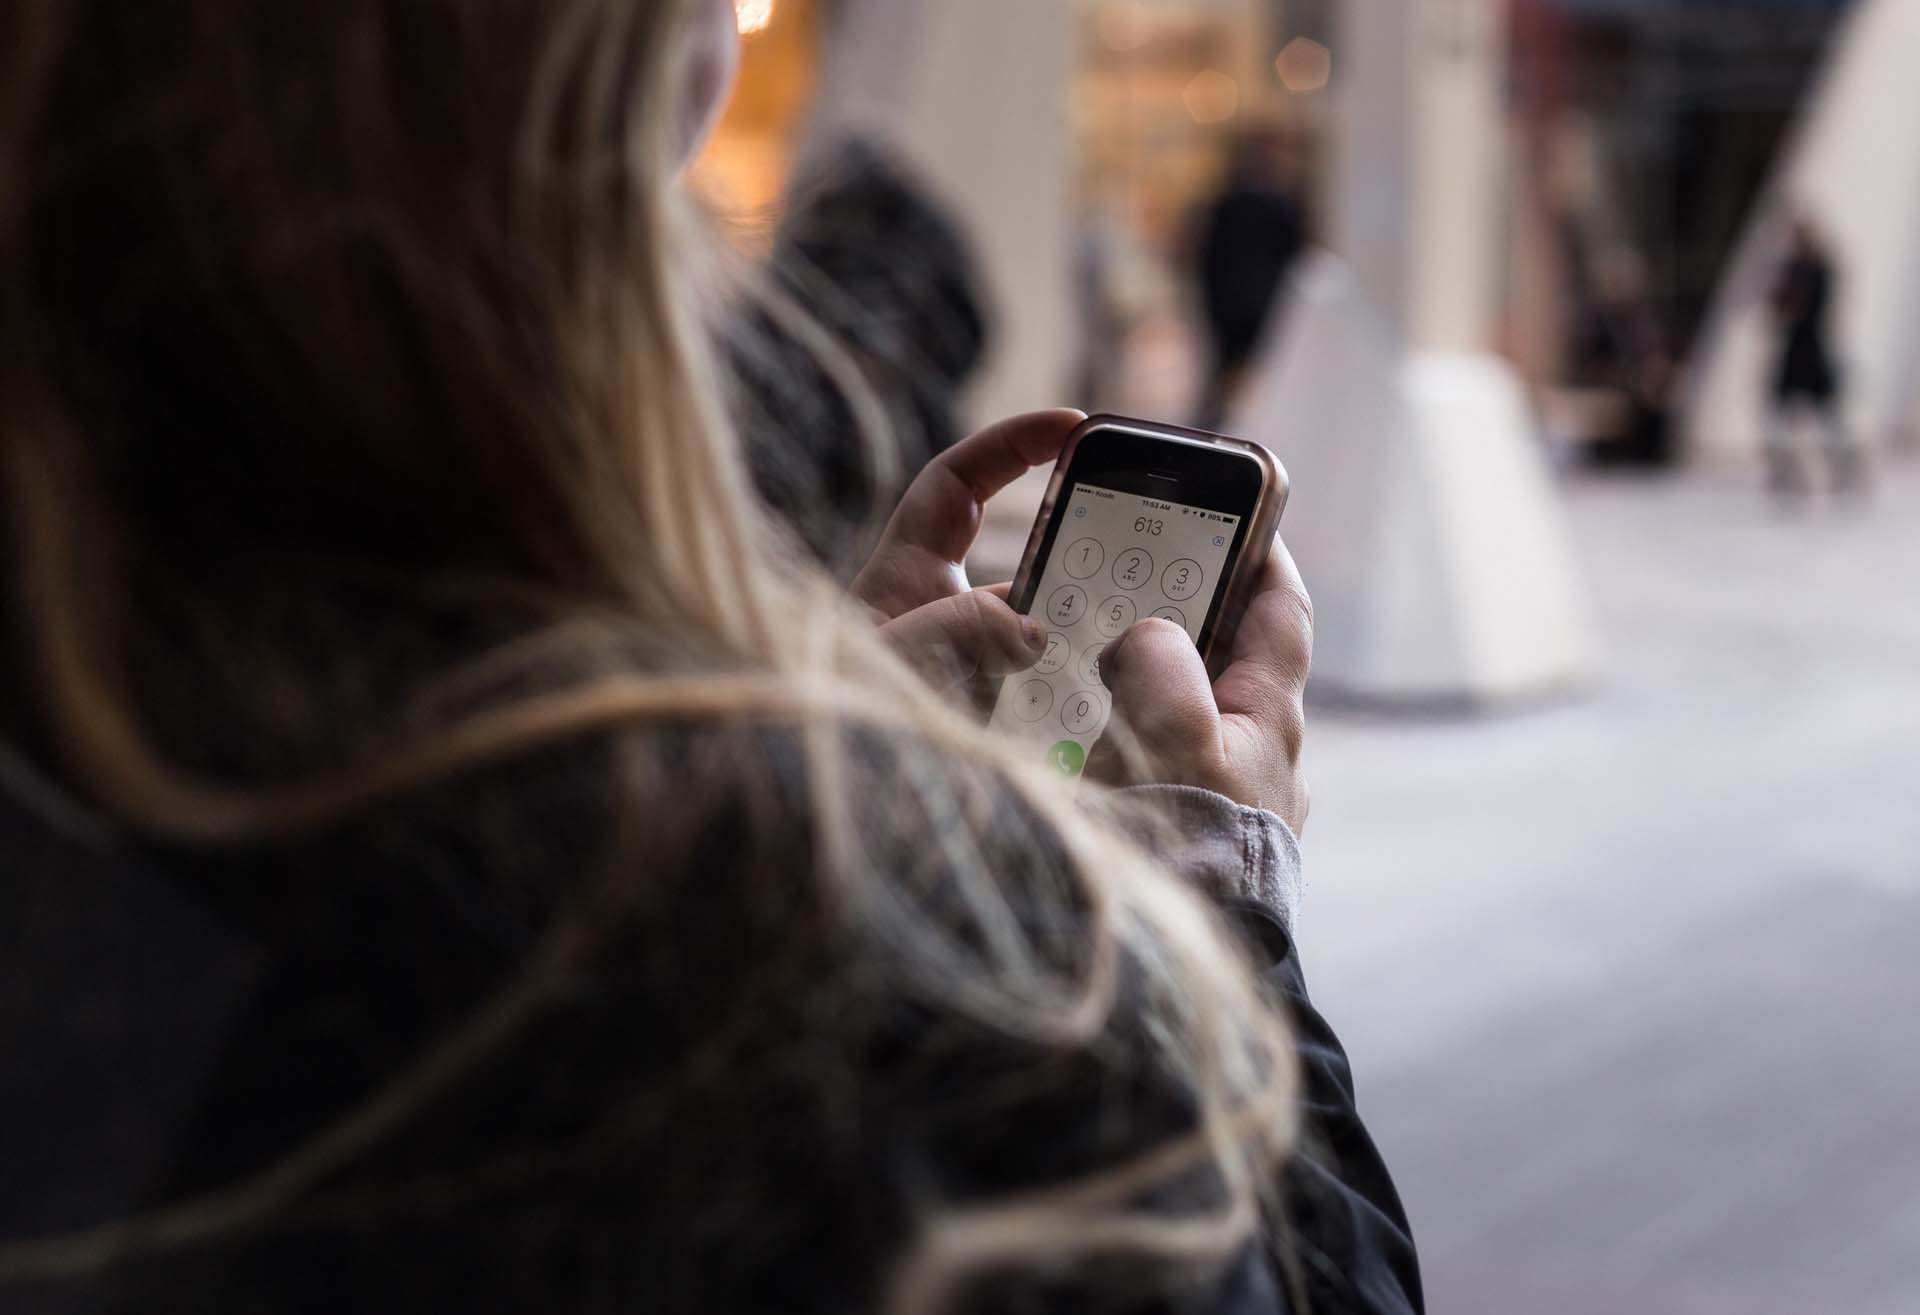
(1034, 633)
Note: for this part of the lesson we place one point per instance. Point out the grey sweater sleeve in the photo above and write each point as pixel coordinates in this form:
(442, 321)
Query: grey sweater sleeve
(1229, 850)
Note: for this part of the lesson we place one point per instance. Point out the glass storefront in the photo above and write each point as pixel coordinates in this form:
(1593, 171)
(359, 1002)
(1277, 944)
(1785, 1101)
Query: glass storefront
(1160, 91)
(1162, 95)
(1158, 94)
(745, 166)
(1163, 90)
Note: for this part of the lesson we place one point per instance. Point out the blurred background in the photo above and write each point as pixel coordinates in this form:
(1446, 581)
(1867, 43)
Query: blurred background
(1590, 333)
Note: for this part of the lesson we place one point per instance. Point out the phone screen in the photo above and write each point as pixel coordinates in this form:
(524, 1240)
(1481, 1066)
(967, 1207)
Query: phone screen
(1114, 558)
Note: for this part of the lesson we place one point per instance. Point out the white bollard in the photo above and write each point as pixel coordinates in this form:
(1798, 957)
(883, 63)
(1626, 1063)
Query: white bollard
(1423, 518)
(1423, 515)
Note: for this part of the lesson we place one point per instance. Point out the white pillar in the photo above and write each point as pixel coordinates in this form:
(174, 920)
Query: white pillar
(974, 94)
(1423, 515)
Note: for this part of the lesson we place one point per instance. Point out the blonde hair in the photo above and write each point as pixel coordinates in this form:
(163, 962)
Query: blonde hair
(572, 284)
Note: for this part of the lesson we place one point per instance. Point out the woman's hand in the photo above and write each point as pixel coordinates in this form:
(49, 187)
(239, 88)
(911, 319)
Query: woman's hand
(1241, 735)
(922, 555)
(916, 581)
(967, 636)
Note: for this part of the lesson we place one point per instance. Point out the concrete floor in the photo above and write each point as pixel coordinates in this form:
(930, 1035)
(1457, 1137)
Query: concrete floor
(1632, 983)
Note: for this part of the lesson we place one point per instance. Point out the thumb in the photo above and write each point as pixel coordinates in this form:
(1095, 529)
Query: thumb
(1162, 699)
(968, 635)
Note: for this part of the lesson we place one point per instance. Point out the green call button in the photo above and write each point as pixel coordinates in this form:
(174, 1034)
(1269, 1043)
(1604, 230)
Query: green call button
(1067, 758)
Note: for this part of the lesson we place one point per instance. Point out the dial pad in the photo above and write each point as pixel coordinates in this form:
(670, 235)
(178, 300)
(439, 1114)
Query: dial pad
(1125, 557)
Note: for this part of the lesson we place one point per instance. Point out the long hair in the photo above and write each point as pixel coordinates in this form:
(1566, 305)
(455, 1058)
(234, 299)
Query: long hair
(404, 300)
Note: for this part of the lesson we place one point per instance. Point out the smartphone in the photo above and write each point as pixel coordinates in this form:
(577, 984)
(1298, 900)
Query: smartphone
(1140, 520)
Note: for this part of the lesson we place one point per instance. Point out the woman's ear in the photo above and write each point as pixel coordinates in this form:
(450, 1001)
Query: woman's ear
(713, 60)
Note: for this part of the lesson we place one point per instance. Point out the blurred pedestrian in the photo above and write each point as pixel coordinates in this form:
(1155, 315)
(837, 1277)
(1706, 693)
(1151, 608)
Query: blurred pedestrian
(1250, 237)
(1099, 314)
(1621, 345)
(1807, 378)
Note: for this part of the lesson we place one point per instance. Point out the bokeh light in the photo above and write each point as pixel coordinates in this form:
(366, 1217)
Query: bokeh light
(1305, 65)
(1212, 97)
(1126, 27)
(754, 15)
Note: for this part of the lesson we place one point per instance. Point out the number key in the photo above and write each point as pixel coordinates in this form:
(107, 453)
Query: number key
(1090, 665)
(1115, 615)
(1055, 658)
(1085, 558)
(1133, 569)
(1067, 605)
(1183, 580)
(1084, 714)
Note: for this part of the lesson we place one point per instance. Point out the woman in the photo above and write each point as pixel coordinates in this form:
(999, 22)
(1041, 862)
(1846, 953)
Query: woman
(1807, 376)
(458, 861)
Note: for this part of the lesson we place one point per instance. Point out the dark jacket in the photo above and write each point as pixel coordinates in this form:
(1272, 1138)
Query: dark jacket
(1252, 237)
(1803, 299)
(878, 264)
(173, 1023)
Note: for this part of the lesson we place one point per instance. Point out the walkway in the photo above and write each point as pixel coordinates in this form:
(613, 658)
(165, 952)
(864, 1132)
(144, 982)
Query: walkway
(1632, 983)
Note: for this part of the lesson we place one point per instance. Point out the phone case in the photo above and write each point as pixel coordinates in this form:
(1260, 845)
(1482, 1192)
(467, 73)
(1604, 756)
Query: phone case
(1265, 520)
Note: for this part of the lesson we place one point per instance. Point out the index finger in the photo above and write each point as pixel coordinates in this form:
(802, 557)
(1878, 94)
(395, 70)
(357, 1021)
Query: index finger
(990, 460)
(1273, 649)
(941, 510)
